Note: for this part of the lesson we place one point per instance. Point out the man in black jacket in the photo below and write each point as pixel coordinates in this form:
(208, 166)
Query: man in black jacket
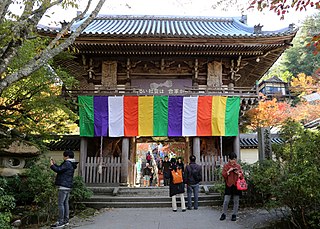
(193, 175)
(64, 181)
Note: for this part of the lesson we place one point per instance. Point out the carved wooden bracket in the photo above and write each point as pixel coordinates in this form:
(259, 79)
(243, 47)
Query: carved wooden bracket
(234, 69)
(162, 64)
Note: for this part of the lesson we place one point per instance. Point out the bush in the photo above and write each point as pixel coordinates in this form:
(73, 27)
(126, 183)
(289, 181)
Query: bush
(291, 181)
(7, 203)
(36, 195)
(79, 193)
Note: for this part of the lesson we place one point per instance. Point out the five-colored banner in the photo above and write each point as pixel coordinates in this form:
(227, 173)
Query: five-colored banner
(118, 116)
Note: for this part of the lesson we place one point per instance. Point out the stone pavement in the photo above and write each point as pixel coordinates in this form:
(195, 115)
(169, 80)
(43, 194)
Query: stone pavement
(165, 218)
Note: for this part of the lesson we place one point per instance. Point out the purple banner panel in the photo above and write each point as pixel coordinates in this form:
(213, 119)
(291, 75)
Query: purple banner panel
(101, 115)
(175, 104)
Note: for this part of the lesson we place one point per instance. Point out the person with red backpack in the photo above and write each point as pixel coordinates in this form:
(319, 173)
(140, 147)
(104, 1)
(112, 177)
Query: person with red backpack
(176, 186)
(148, 158)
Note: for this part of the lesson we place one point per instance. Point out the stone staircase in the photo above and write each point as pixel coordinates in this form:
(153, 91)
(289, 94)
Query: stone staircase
(143, 197)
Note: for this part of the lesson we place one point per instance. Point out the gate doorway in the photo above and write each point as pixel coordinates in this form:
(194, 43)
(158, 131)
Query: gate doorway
(150, 150)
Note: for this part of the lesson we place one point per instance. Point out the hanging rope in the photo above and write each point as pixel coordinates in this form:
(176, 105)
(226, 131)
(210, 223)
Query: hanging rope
(100, 159)
(221, 156)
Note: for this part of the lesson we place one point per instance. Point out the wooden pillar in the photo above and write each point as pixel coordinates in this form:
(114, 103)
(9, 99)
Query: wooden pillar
(83, 155)
(236, 145)
(196, 149)
(124, 161)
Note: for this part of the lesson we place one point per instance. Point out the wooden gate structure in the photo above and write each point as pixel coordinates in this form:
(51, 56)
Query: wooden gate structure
(109, 170)
(167, 56)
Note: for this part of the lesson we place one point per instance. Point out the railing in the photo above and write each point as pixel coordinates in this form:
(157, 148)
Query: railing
(109, 170)
(210, 165)
(245, 92)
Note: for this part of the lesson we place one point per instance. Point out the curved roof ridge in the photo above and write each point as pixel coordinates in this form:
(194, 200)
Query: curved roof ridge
(163, 17)
(168, 25)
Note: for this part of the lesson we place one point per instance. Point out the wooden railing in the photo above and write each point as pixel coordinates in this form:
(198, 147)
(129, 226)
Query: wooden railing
(210, 168)
(245, 92)
(110, 170)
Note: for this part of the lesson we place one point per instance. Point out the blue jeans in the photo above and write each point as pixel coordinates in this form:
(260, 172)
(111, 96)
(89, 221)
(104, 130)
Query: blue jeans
(195, 189)
(63, 205)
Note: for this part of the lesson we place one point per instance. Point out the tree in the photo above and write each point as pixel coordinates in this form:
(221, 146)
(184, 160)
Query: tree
(303, 84)
(268, 113)
(16, 30)
(282, 7)
(292, 173)
(301, 57)
(272, 113)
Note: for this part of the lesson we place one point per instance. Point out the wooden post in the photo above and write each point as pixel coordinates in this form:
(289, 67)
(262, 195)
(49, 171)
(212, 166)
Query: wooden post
(196, 149)
(124, 161)
(236, 145)
(83, 155)
(264, 143)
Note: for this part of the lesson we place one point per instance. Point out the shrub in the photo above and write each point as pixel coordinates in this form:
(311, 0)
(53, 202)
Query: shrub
(7, 203)
(36, 195)
(291, 180)
(79, 193)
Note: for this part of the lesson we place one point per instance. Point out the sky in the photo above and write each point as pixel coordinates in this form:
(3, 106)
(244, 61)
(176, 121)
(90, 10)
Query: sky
(269, 20)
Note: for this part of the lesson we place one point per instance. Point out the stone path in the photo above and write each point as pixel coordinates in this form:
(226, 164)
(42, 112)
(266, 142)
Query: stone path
(164, 218)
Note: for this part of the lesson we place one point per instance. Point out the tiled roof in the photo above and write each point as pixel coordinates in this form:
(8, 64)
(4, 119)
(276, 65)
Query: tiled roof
(172, 26)
(65, 143)
(251, 140)
(314, 124)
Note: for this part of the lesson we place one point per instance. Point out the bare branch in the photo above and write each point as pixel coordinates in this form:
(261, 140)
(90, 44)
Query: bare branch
(66, 28)
(48, 53)
(4, 8)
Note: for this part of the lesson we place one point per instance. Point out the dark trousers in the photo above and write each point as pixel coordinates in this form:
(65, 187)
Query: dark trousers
(195, 189)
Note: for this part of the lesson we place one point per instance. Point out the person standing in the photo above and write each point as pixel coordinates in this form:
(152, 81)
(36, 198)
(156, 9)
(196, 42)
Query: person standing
(176, 188)
(193, 175)
(148, 158)
(180, 163)
(231, 172)
(64, 181)
(160, 171)
(146, 173)
(166, 171)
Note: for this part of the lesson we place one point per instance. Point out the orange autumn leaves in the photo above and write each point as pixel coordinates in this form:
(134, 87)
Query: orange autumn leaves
(272, 113)
(268, 113)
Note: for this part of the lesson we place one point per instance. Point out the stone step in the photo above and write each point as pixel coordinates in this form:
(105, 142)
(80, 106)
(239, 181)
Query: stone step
(166, 204)
(104, 198)
(142, 197)
(138, 191)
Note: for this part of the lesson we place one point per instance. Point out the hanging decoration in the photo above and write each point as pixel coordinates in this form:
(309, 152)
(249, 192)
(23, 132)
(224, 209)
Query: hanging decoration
(128, 116)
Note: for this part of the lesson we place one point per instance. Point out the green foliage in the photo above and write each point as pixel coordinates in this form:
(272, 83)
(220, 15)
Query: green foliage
(79, 193)
(36, 195)
(292, 179)
(7, 203)
(301, 57)
(38, 191)
(34, 105)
